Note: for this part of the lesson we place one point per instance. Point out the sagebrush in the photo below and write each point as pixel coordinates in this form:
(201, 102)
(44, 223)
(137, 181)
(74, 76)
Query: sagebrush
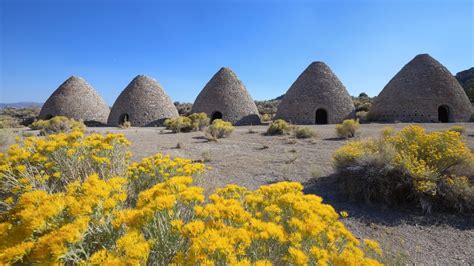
(304, 132)
(220, 129)
(179, 124)
(347, 129)
(279, 127)
(194, 122)
(57, 124)
(411, 167)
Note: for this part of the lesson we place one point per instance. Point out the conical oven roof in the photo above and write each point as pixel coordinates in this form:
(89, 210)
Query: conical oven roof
(143, 103)
(317, 96)
(422, 91)
(75, 98)
(226, 97)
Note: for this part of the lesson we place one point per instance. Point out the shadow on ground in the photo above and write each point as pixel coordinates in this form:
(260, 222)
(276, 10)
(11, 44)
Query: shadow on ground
(371, 213)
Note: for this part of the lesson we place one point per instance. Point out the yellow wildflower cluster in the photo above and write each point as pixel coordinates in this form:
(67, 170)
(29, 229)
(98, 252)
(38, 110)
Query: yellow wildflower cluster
(196, 121)
(179, 124)
(279, 127)
(43, 228)
(199, 120)
(58, 124)
(220, 129)
(150, 212)
(429, 161)
(156, 169)
(347, 128)
(50, 163)
(276, 224)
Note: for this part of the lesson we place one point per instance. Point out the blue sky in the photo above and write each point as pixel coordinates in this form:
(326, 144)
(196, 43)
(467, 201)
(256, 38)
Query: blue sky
(183, 43)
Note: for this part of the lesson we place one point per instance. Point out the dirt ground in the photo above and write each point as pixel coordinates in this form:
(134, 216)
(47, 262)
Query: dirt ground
(250, 159)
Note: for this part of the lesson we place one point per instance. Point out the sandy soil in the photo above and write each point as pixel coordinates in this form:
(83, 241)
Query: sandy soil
(250, 159)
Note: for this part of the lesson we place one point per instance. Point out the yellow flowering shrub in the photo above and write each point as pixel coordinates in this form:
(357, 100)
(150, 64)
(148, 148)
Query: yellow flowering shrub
(196, 121)
(156, 169)
(179, 124)
(304, 132)
(347, 128)
(279, 127)
(50, 163)
(412, 165)
(57, 124)
(199, 121)
(151, 212)
(220, 129)
(276, 223)
(460, 129)
(46, 228)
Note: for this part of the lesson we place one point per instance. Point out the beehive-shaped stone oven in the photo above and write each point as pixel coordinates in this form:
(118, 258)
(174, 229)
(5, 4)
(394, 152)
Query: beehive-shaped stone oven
(143, 103)
(75, 98)
(316, 97)
(422, 91)
(225, 97)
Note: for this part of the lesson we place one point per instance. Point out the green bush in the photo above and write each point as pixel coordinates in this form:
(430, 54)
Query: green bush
(57, 124)
(267, 109)
(410, 167)
(199, 121)
(196, 121)
(279, 127)
(179, 124)
(184, 109)
(220, 129)
(347, 129)
(304, 133)
(361, 116)
(7, 121)
(21, 116)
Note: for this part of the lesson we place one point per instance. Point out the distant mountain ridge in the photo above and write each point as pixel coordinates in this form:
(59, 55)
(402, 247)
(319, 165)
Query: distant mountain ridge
(20, 105)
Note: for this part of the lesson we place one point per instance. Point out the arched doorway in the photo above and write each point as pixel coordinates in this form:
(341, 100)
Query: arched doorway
(321, 117)
(123, 118)
(216, 115)
(443, 114)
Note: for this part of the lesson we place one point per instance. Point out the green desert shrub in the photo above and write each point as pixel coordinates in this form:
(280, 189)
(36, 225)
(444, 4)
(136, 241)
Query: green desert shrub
(220, 129)
(21, 116)
(304, 133)
(7, 121)
(179, 124)
(279, 127)
(347, 129)
(199, 121)
(267, 109)
(184, 109)
(460, 129)
(361, 116)
(410, 168)
(363, 102)
(57, 124)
